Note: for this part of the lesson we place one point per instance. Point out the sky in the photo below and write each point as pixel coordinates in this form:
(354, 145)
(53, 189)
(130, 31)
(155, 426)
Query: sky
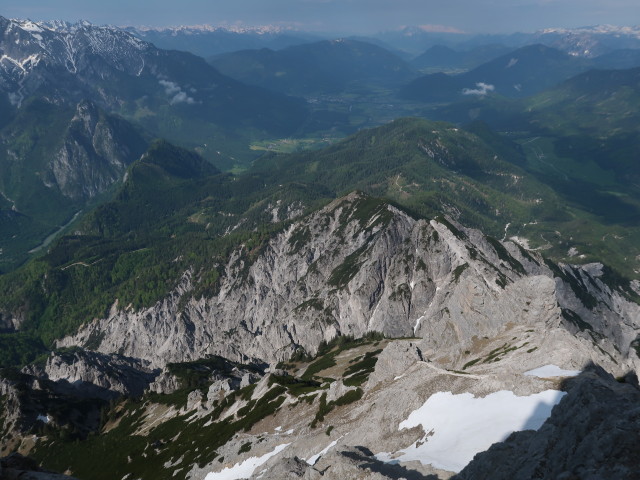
(352, 16)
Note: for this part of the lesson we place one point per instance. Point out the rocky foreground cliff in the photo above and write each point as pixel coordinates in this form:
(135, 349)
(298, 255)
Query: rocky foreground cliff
(361, 265)
(452, 323)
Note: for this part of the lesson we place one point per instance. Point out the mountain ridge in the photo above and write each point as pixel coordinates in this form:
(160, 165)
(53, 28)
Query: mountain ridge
(327, 66)
(519, 73)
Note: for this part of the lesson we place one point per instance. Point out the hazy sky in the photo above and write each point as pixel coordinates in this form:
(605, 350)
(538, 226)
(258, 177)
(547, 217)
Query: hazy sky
(357, 16)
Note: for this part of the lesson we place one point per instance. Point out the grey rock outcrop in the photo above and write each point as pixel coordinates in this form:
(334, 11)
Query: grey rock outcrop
(220, 375)
(15, 466)
(96, 150)
(165, 382)
(32, 404)
(361, 265)
(594, 309)
(292, 468)
(98, 375)
(354, 463)
(10, 322)
(592, 433)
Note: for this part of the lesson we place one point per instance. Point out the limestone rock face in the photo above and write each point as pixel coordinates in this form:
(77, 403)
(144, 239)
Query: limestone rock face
(361, 265)
(98, 375)
(592, 433)
(165, 382)
(94, 154)
(10, 322)
(31, 404)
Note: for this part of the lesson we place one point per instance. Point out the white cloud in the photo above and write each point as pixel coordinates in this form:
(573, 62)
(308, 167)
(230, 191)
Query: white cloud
(172, 89)
(483, 89)
(182, 97)
(169, 87)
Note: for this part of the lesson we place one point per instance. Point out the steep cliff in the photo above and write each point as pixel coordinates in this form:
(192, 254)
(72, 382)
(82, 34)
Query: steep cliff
(361, 265)
(97, 375)
(95, 152)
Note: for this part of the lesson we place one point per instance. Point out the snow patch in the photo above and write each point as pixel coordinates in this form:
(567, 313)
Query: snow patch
(174, 90)
(549, 371)
(459, 426)
(418, 320)
(30, 27)
(43, 418)
(244, 469)
(314, 459)
(506, 227)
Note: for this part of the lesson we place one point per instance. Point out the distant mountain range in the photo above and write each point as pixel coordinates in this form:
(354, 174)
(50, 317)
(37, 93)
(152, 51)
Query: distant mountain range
(590, 42)
(79, 103)
(519, 73)
(69, 63)
(597, 103)
(442, 57)
(584, 42)
(328, 66)
(207, 40)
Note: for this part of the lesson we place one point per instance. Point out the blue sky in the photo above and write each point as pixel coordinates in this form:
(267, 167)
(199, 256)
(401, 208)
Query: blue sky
(353, 16)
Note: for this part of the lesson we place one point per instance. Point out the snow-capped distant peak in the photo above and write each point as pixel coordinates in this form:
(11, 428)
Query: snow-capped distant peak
(26, 45)
(206, 28)
(30, 26)
(631, 31)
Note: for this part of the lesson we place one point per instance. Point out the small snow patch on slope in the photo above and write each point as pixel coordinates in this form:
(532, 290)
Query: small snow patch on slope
(44, 418)
(549, 371)
(314, 459)
(244, 469)
(459, 426)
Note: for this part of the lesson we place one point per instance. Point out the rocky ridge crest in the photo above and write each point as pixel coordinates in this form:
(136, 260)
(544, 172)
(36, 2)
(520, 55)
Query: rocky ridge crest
(361, 265)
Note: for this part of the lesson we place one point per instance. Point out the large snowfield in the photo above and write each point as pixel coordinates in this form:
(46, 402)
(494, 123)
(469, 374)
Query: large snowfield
(459, 426)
